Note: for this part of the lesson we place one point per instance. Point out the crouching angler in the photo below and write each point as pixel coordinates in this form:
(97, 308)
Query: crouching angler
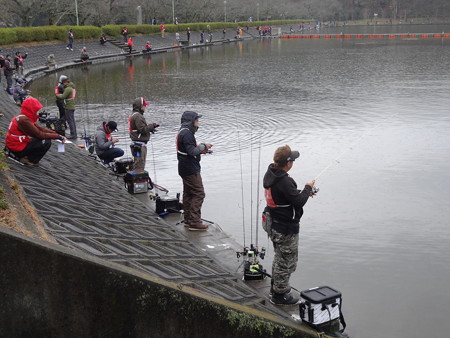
(105, 143)
(285, 206)
(26, 141)
(140, 133)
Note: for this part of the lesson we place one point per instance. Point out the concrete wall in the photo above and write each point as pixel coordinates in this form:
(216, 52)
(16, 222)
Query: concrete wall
(49, 291)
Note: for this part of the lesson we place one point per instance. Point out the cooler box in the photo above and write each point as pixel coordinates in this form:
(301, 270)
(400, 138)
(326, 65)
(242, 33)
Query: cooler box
(123, 165)
(167, 204)
(320, 305)
(136, 181)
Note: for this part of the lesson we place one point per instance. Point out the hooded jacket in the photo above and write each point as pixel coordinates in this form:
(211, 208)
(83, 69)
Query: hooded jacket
(188, 152)
(8, 69)
(139, 129)
(23, 127)
(284, 201)
(103, 141)
(68, 96)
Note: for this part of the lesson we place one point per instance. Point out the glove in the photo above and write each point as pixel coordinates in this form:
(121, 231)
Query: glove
(155, 125)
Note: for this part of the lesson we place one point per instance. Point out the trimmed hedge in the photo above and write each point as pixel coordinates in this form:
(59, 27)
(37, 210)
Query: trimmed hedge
(43, 33)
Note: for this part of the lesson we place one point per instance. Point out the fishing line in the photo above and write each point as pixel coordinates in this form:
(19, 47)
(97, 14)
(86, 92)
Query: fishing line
(251, 176)
(242, 177)
(257, 188)
(154, 162)
(336, 160)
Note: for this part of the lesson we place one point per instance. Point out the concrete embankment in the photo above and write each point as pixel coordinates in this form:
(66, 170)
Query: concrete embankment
(110, 268)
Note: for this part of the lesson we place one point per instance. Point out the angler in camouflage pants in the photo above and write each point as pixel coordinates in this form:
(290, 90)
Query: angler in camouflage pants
(284, 261)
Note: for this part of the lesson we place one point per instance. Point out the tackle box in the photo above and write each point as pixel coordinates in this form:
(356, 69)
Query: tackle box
(123, 165)
(136, 181)
(167, 204)
(320, 305)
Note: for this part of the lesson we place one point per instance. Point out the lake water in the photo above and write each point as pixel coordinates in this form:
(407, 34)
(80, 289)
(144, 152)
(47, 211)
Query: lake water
(371, 117)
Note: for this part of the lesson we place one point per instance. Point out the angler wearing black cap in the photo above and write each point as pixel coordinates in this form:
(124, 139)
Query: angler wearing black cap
(285, 206)
(188, 153)
(105, 143)
(140, 133)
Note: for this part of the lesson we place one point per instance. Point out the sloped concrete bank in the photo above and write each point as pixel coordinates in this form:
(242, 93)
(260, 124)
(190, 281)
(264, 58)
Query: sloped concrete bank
(113, 269)
(51, 291)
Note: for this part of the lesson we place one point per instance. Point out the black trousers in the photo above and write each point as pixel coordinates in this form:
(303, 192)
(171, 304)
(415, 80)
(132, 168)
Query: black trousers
(35, 149)
(62, 110)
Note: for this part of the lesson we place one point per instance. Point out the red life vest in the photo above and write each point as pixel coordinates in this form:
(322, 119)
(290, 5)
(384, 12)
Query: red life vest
(16, 140)
(269, 199)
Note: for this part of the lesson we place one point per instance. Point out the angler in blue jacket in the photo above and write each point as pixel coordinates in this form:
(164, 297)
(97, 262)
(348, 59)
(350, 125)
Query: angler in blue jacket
(188, 153)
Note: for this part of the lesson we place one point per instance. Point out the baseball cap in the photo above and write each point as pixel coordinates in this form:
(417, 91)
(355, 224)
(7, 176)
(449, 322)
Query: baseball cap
(284, 155)
(112, 125)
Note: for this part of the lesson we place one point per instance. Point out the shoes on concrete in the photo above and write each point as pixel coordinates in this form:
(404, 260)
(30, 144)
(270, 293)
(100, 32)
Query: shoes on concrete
(106, 165)
(71, 49)
(67, 47)
(71, 137)
(284, 299)
(26, 161)
(198, 227)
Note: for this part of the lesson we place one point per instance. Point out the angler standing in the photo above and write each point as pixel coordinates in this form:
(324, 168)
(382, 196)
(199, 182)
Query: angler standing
(188, 153)
(59, 89)
(68, 96)
(285, 206)
(8, 70)
(140, 133)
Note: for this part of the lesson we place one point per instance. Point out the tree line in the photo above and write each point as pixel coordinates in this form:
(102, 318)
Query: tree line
(103, 12)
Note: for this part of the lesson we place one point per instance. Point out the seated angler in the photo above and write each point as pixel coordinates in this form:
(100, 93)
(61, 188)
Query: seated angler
(147, 47)
(20, 93)
(84, 56)
(105, 143)
(26, 141)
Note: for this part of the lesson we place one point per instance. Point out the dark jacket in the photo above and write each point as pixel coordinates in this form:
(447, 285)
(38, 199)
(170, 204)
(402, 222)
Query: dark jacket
(284, 201)
(188, 152)
(8, 69)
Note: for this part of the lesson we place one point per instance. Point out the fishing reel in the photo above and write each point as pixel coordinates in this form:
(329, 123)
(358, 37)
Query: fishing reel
(314, 190)
(43, 115)
(252, 269)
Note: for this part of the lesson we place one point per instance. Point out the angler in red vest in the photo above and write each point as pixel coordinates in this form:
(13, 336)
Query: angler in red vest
(25, 140)
(285, 205)
(163, 29)
(130, 45)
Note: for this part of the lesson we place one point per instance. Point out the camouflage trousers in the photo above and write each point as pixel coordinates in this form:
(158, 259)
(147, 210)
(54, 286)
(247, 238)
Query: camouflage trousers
(284, 261)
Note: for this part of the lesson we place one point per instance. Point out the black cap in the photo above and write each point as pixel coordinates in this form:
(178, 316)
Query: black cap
(112, 125)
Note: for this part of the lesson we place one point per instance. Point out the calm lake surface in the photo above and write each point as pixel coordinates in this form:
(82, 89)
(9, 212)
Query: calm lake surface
(370, 116)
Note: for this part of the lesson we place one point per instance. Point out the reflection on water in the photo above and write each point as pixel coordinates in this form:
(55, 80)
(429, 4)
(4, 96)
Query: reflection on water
(375, 111)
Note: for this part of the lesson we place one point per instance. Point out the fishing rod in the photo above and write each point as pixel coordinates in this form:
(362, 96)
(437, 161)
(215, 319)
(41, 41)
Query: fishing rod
(252, 267)
(242, 179)
(336, 160)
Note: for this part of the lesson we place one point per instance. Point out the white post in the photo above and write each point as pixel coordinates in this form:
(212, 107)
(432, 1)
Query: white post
(139, 15)
(225, 5)
(173, 12)
(76, 12)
